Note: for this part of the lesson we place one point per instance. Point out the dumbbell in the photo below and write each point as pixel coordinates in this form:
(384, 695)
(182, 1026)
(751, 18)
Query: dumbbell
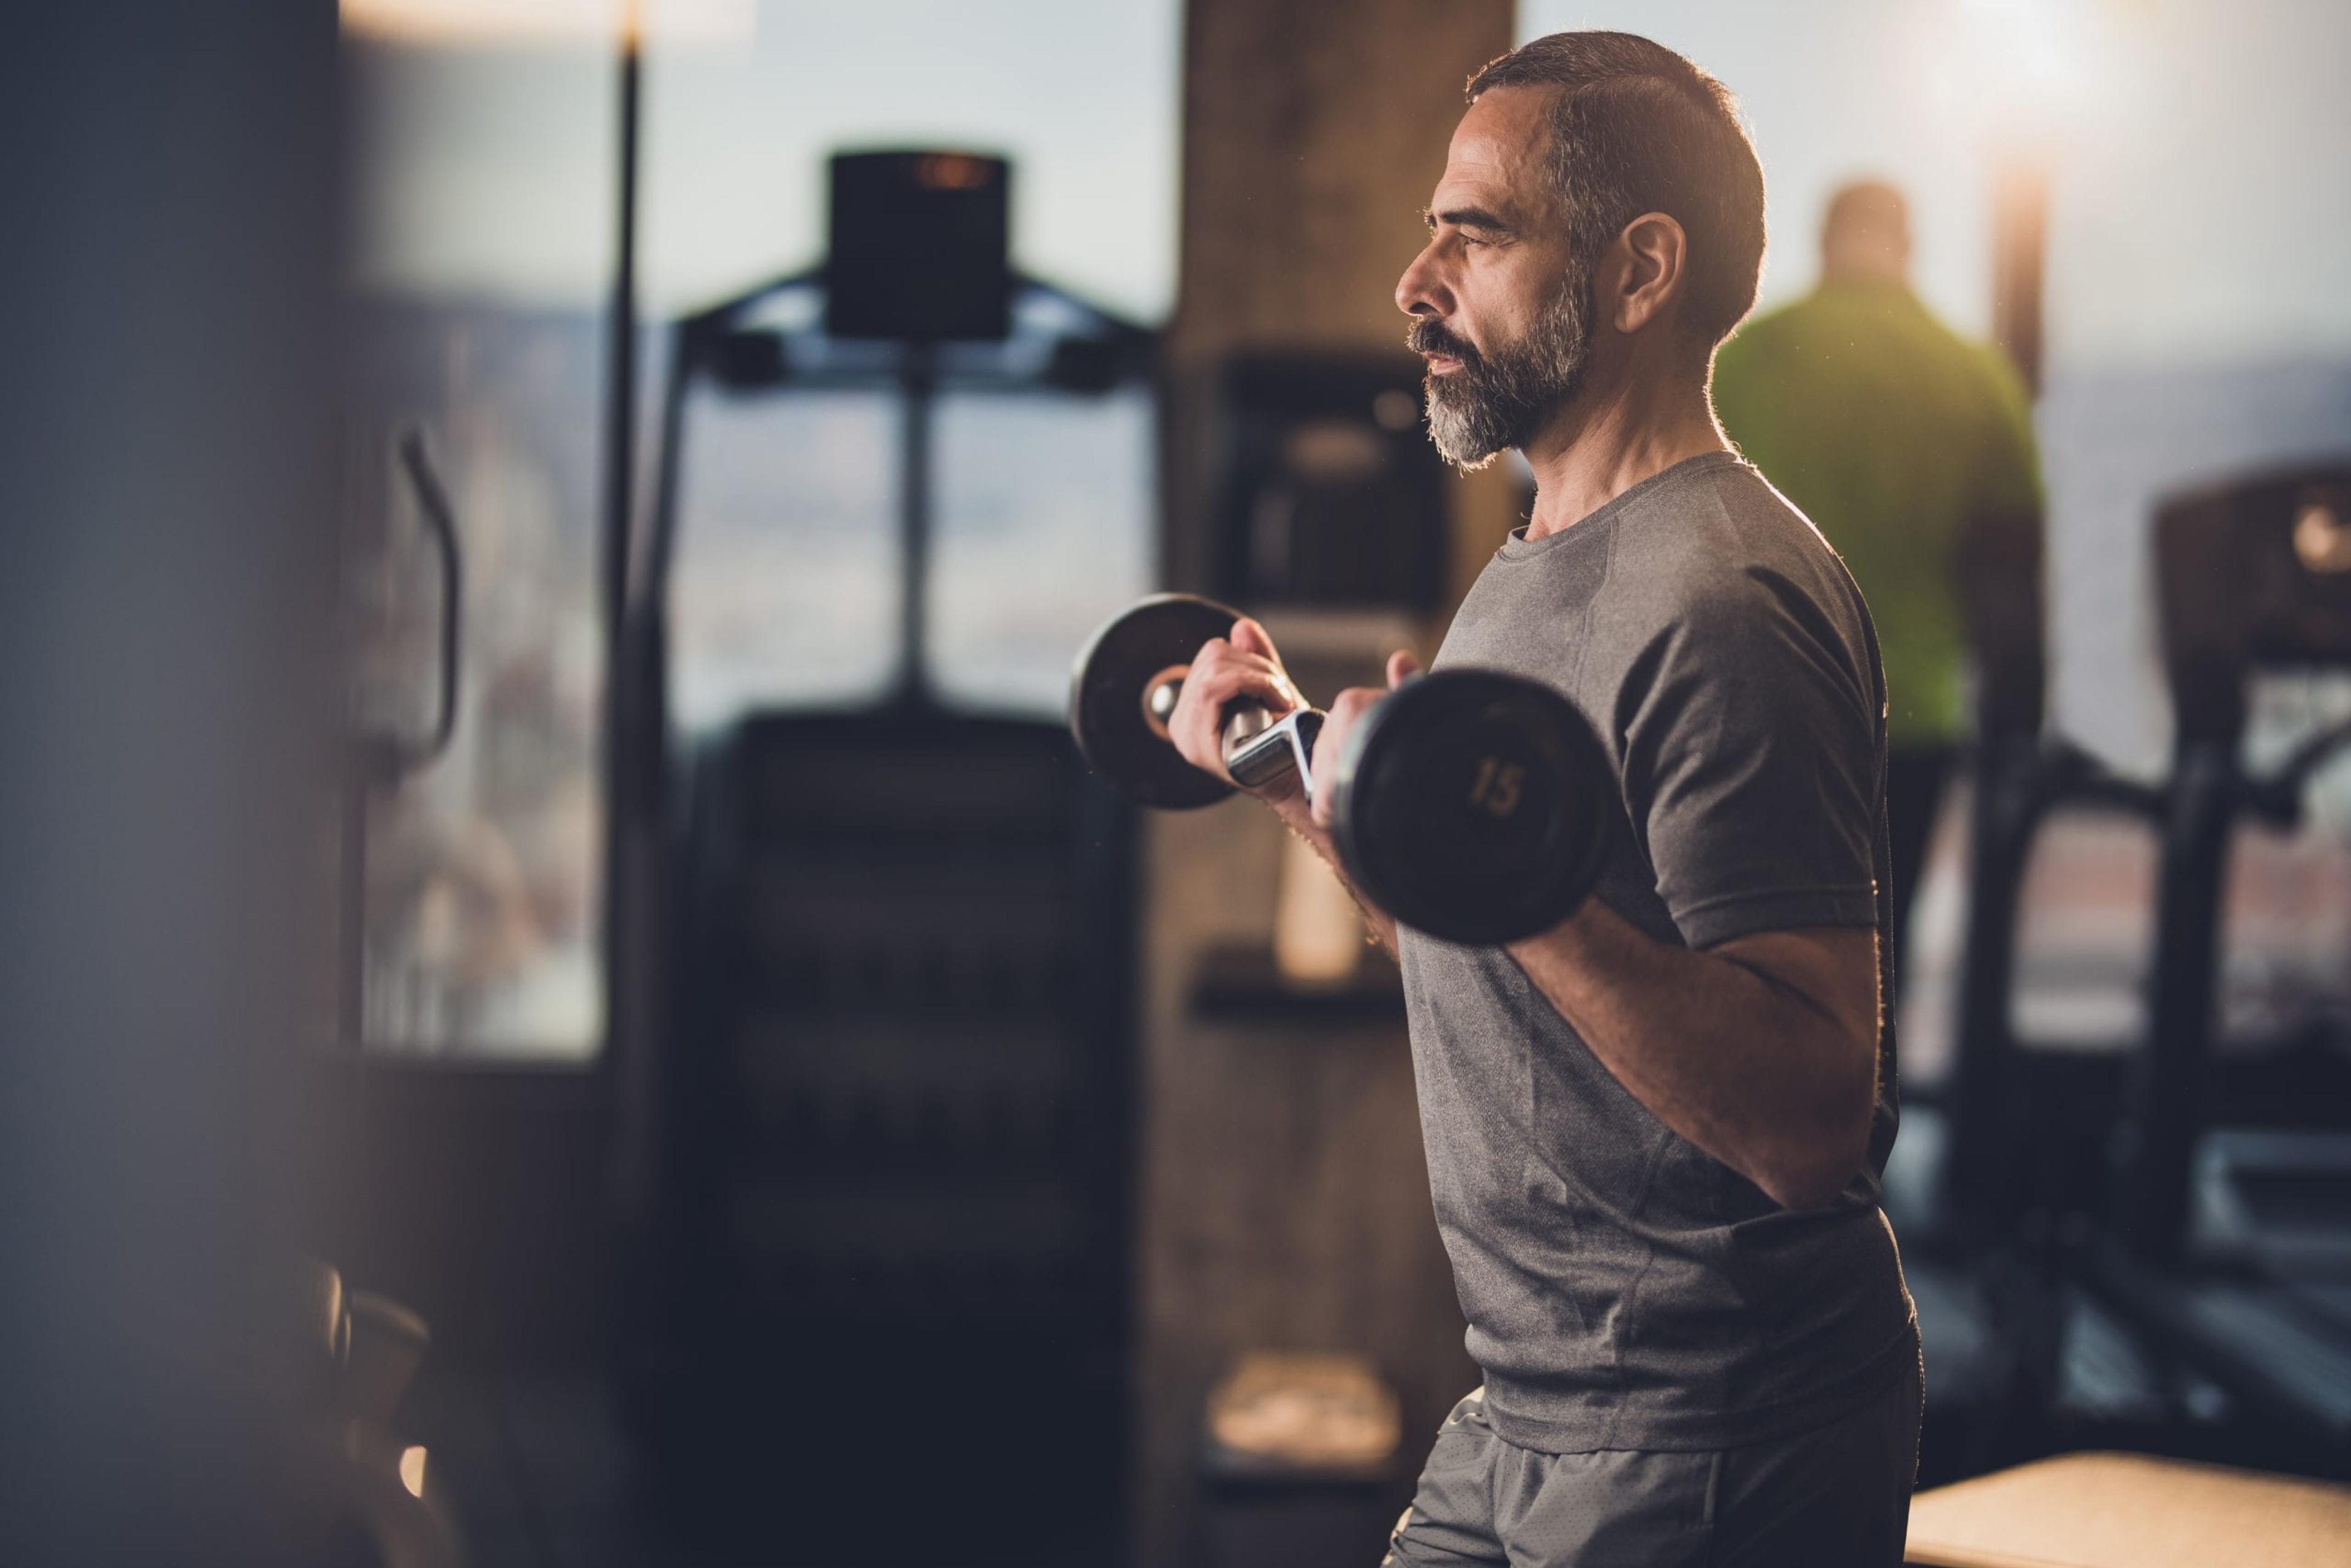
(1471, 804)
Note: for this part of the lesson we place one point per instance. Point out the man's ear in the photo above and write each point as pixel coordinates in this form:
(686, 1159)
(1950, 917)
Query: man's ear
(1655, 253)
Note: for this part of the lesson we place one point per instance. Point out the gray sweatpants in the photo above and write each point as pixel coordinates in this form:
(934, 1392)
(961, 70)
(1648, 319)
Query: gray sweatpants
(1840, 1495)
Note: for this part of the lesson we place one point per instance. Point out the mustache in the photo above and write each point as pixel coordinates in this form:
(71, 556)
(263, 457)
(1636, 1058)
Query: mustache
(1429, 337)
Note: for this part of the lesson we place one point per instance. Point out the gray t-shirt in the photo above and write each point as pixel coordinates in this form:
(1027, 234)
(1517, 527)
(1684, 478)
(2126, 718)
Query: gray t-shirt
(1626, 1289)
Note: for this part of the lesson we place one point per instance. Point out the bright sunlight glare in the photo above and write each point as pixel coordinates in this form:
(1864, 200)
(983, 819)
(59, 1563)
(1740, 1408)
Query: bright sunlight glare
(2022, 79)
(509, 22)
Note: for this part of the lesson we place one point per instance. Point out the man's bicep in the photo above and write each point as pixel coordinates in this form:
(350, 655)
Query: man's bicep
(1833, 969)
(1751, 772)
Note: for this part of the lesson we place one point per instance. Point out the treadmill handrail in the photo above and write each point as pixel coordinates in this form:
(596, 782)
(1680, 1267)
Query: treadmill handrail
(2276, 797)
(388, 759)
(441, 519)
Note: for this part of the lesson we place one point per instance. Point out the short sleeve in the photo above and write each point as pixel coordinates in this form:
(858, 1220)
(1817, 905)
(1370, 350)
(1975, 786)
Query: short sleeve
(1750, 766)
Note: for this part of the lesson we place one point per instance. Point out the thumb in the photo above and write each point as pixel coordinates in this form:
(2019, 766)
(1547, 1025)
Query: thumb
(1401, 664)
(1250, 638)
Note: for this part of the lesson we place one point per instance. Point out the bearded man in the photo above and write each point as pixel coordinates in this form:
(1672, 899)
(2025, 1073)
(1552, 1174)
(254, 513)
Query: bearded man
(1655, 1133)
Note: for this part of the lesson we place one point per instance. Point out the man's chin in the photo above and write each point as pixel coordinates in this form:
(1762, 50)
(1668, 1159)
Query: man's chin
(1458, 440)
(1469, 464)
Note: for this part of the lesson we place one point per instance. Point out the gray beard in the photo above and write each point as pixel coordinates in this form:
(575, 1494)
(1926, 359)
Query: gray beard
(1494, 403)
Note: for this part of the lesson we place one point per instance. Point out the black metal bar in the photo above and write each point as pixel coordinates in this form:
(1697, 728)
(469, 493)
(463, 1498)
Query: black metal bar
(1981, 1191)
(2164, 1082)
(661, 531)
(623, 700)
(2020, 779)
(621, 348)
(2276, 799)
(919, 380)
(440, 521)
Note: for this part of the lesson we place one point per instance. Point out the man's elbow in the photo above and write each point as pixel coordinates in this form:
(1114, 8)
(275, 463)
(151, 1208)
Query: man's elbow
(1811, 1171)
(1813, 1184)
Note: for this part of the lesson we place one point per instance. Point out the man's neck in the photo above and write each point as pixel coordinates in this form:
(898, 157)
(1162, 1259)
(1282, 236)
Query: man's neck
(1609, 439)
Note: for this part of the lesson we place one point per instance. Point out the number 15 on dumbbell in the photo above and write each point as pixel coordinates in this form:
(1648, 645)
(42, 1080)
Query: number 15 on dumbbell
(1471, 804)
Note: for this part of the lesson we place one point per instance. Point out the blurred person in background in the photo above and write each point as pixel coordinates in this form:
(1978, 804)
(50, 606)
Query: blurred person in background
(1912, 450)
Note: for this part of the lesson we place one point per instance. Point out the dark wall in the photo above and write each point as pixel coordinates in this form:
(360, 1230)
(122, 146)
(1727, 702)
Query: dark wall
(480, 1196)
(166, 492)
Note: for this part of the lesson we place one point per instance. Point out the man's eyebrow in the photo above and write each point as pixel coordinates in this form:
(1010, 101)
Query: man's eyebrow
(1464, 218)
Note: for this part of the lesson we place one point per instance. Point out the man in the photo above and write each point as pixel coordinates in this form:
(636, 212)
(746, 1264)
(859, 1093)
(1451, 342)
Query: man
(1655, 1132)
(1912, 450)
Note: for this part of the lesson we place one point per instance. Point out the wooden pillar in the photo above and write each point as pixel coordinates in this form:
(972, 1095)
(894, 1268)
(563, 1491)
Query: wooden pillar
(1284, 1199)
(2020, 254)
(1313, 132)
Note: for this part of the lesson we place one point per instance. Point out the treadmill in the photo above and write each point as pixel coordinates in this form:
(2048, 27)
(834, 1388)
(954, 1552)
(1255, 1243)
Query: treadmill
(2010, 1136)
(2228, 1234)
(1990, 1166)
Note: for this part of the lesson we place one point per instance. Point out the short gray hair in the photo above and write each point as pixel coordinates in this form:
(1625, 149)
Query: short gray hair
(1635, 128)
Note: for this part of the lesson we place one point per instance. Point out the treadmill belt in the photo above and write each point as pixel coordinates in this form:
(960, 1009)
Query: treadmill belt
(2329, 1303)
(2274, 1351)
(2279, 1346)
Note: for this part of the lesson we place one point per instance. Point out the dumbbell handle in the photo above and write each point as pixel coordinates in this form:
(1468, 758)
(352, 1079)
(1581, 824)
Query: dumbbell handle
(1260, 749)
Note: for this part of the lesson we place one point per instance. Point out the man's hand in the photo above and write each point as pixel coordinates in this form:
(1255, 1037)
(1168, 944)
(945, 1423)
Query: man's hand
(1346, 711)
(1242, 667)
(1311, 822)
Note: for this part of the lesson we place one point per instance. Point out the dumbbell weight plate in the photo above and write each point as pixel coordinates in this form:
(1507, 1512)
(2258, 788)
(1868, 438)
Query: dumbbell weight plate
(1115, 670)
(1473, 805)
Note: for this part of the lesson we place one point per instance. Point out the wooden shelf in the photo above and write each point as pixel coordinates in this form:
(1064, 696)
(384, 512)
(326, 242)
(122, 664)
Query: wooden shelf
(1242, 984)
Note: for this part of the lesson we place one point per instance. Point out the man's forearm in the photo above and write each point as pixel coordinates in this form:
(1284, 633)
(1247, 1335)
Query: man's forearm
(1738, 1061)
(1298, 817)
(1735, 1050)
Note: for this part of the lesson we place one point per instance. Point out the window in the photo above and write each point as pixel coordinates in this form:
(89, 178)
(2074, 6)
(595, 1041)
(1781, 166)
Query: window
(1045, 530)
(785, 590)
(481, 239)
(787, 575)
(483, 149)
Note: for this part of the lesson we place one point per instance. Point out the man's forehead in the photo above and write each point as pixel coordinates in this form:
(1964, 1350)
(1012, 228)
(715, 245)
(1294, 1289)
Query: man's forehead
(1495, 159)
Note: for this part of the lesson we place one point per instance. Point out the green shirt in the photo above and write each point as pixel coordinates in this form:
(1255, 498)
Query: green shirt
(1892, 433)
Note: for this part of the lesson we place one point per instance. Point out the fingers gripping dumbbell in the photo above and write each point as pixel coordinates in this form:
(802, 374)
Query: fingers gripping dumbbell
(1469, 804)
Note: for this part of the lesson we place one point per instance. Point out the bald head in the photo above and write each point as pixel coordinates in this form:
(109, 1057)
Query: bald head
(1867, 236)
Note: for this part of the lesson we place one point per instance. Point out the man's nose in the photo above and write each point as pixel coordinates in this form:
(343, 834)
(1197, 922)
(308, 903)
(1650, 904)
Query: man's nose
(1420, 291)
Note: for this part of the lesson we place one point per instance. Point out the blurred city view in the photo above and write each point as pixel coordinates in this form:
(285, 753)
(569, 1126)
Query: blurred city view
(482, 886)
(483, 232)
